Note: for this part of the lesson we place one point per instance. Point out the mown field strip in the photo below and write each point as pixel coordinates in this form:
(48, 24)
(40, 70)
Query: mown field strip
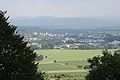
(67, 61)
(66, 71)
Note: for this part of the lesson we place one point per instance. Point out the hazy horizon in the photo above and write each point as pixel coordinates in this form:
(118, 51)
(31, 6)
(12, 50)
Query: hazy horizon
(62, 8)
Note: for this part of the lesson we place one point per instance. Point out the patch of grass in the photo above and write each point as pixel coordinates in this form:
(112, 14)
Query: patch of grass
(66, 59)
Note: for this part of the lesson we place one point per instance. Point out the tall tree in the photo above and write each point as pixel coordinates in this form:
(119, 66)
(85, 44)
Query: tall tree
(16, 59)
(106, 67)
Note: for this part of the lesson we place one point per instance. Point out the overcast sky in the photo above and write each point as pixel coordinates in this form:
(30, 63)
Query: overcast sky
(61, 8)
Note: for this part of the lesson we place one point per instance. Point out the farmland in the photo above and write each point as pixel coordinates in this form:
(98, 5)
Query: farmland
(66, 61)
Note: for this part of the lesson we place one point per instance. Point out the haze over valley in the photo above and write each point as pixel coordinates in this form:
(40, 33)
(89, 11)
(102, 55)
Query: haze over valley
(64, 22)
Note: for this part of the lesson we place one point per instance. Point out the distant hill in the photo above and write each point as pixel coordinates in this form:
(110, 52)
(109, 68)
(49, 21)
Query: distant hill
(62, 23)
(97, 30)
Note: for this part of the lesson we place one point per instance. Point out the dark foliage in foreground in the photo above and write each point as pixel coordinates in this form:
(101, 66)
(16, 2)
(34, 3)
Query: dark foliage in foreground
(106, 67)
(16, 59)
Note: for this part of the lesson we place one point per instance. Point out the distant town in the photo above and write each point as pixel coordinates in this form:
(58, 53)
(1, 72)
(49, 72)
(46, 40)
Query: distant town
(83, 41)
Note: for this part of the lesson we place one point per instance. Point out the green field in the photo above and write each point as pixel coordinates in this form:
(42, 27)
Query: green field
(72, 58)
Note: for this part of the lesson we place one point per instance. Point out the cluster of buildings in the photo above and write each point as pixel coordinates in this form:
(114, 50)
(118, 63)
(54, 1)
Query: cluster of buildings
(46, 34)
(68, 41)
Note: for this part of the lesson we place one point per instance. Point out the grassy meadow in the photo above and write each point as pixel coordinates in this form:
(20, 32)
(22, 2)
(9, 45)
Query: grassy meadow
(66, 61)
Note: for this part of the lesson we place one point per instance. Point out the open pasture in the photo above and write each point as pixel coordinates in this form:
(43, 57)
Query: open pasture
(56, 60)
(59, 62)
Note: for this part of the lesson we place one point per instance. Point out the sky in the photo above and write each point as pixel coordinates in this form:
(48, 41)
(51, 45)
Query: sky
(61, 8)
